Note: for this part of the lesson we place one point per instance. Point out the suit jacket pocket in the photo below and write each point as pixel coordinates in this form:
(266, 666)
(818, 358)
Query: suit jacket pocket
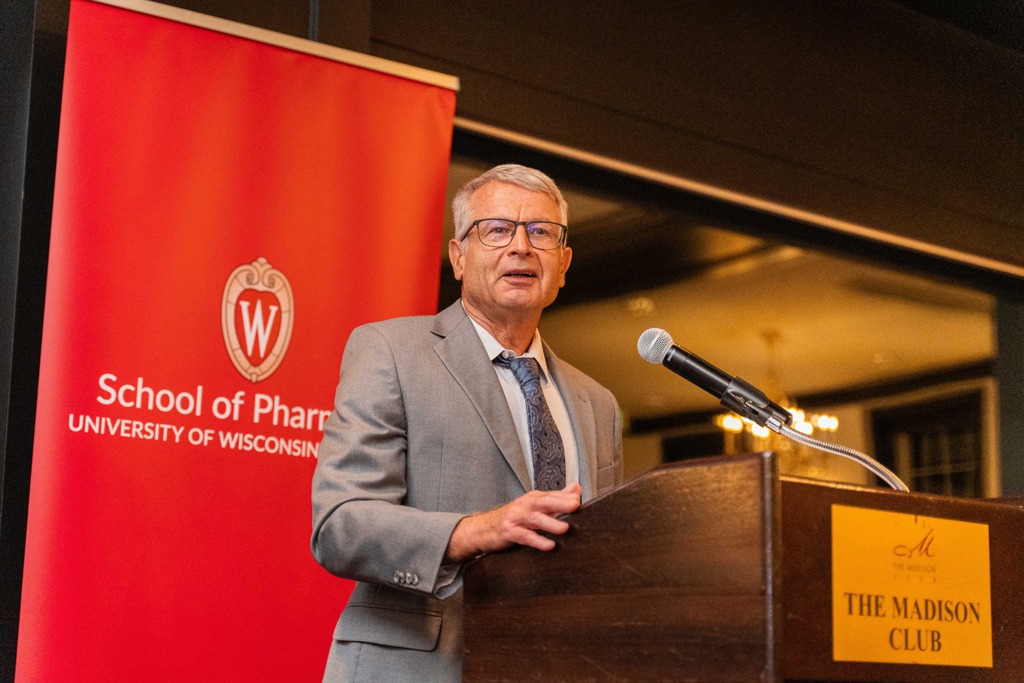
(388, 626)
(605, 479)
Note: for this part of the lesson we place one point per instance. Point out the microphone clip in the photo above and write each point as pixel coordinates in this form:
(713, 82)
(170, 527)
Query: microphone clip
(750, 402)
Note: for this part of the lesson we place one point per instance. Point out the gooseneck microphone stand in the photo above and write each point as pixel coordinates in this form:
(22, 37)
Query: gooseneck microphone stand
(883, 472)
(655, 345)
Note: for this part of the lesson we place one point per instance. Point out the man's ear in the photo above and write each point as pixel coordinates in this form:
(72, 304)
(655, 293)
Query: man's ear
(456, 256)
(566, 260)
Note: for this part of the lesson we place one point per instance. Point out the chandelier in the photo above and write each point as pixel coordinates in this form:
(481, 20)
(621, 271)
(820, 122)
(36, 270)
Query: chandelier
(802, 422)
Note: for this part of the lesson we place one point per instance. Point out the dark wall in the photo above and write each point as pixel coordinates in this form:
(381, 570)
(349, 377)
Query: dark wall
(16, 21)
(16, 37)
(861, 110)
(1010, 374)
(31, 74)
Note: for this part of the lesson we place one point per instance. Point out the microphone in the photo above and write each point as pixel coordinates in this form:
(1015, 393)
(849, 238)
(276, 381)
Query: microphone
(655, 346)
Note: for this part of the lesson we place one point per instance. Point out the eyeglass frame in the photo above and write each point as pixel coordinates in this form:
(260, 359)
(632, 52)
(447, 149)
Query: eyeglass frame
(515, 229)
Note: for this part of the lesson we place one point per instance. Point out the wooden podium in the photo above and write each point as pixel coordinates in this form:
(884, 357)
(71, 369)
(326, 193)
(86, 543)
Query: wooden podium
(715, 569)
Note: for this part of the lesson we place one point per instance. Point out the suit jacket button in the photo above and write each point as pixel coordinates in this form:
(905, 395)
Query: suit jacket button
(415, 579)
(399, 577)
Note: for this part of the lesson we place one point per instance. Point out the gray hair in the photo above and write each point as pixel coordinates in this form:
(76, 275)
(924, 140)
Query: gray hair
(512, 174)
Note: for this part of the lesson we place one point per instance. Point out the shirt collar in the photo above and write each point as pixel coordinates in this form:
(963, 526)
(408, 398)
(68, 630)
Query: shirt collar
(495, 349)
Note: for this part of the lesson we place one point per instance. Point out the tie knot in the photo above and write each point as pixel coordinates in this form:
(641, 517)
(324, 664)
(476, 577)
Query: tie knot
(524, 369)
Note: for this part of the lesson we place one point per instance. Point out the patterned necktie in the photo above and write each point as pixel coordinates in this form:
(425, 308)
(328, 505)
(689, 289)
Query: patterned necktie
(545, 441)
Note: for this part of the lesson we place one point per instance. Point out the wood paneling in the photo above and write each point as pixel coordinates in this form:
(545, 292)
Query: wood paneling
(860, 110)
(668, 578)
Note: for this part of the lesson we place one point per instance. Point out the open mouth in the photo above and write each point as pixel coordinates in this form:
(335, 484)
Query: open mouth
(519, 274)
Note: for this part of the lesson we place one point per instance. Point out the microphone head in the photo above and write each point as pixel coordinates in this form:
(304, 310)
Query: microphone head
(654, 344)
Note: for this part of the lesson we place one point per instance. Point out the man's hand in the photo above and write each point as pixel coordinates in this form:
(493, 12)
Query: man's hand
(514, 523)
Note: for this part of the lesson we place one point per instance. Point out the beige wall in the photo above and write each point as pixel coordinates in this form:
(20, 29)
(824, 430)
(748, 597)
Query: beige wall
(640, 454)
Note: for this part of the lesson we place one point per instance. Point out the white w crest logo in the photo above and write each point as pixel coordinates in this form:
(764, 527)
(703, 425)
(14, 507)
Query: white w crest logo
(255, 327)
(257, 313)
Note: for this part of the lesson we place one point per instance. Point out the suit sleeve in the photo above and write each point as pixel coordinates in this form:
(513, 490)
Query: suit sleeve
(361, 529)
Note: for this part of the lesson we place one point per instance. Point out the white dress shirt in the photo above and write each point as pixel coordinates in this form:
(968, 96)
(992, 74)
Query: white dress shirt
(517, 402)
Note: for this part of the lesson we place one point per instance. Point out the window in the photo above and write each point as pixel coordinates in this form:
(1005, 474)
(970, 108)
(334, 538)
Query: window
(935, 446)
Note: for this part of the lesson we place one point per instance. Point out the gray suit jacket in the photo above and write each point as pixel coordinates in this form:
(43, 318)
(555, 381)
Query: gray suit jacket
(421, 436)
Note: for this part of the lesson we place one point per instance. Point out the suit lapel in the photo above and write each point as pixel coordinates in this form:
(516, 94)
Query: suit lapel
(581, 415)
(462, 352)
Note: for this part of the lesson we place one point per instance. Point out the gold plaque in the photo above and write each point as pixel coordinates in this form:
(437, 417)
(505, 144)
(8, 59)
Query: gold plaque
(908, 589)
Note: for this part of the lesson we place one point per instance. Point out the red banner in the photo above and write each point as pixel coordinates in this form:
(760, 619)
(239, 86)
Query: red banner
(226, 211)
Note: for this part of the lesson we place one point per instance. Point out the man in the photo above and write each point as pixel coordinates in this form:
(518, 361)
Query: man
(455, 435)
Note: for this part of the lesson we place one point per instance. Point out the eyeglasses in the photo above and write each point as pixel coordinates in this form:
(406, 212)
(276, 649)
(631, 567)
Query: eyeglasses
(499, 232)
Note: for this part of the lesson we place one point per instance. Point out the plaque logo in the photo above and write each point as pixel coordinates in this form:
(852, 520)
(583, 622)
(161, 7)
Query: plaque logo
(257, 313)
(922, 549)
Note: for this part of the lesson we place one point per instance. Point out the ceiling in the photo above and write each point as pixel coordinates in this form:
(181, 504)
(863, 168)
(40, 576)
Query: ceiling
(784, 319)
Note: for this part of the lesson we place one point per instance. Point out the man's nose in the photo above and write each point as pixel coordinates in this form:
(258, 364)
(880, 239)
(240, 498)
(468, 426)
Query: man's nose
(520, 241)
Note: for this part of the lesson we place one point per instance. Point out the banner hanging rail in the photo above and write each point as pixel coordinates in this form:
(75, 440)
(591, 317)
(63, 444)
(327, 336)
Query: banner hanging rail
(337, 54)
(733, 197)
